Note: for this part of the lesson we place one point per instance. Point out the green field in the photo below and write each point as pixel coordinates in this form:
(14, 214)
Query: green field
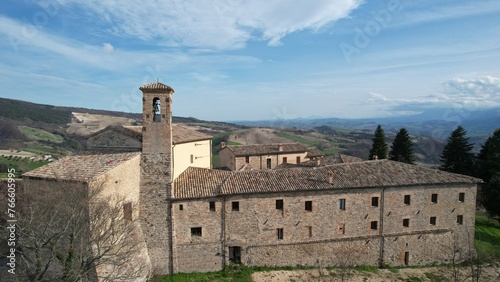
(20, 165)
(40, 135)
(487, 238)
(297, 138)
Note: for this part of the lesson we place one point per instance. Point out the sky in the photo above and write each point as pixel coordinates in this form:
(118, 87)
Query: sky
(231, 60)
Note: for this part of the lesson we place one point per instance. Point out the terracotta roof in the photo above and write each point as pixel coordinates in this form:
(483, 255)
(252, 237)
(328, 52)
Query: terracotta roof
(156, 87)
(367, 174)
(350, 159)
(266, 149)
(314, 152)
(197, 182)
(180, 134)
(80, 167)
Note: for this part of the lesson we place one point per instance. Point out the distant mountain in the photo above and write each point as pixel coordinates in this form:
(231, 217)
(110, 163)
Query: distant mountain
(434, 123)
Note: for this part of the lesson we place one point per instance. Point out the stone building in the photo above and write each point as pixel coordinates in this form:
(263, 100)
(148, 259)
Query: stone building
(376, 212)
(265, 156)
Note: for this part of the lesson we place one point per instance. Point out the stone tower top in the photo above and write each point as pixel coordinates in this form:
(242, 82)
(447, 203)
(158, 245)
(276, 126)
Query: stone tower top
(156, 87)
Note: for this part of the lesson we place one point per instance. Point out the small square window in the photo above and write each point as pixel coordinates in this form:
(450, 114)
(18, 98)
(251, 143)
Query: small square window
(461, 197)
(181, 207)
(285, 160)
(268, 163)
(279, 233)
(279, 204)
(235, 206)
(434, 198)
(460, 219)
(432, 220)
(212, 206)
(406, 222)
(341, 228)
(196, 231)
(309, 206)
(407, 199)
(374, 225)
(247, 159)
(374, 201)
(342, 204)
(298, 159)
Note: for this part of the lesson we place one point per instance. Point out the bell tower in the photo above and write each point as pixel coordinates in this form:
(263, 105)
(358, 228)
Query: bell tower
(156, 175)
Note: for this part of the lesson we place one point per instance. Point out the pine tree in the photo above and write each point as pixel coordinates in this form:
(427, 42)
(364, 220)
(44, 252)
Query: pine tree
(402, 148)
(488, 168)
(457, 155)
(379, 147)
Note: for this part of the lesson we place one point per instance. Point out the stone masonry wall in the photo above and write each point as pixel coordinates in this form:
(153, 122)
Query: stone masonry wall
(326, 234)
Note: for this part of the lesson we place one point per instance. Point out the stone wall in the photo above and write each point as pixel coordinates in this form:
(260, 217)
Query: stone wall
(112, 140)
(228, 159)
(325, 234)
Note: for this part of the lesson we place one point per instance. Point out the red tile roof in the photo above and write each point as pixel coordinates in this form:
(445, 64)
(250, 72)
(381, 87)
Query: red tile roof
(368, 174)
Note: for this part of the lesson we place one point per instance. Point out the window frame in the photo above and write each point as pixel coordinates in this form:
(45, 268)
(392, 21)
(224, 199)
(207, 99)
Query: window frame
(196, 232)
(406, 222)
(407, 200)
(433, 220)
(375, 201)
(308, 206)
(434, 198)
(279, 233)
(280, 204)
(341, 204)
(460, 219)
(235, 206)
(374, 225)
(461, 197)
(212, 206)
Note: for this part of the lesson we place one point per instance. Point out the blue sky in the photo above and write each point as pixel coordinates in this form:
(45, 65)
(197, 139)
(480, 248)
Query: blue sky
(249, 60)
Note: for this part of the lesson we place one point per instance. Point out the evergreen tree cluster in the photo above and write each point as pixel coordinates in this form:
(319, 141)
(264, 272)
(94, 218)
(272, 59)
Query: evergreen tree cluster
(457, 157)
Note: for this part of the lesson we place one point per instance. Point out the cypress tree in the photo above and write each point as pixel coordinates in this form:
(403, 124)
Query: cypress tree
(457, 155)
(402, 148)
(379, 147)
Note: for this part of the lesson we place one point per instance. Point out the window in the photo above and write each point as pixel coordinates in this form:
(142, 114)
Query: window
(196, 231)
(460, 219)
(309, 206)
(279, 233)
(268, 163)
(279, 204)
(127, 211)
(432, 220)
(212, 206)
(310, 231)
(285, 160)
(434, 198)
(235, 206)
(374, 201)
(235, 254)
(406, 222)
(342, 204)
(192, 158)
(247, 159)
(407, 199)
(461, 197)
(298, 159)
(181, 207)
(341, 228)
(156, 109)
(374, 225)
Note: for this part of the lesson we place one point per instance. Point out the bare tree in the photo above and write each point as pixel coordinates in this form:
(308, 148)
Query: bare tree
(71, 231)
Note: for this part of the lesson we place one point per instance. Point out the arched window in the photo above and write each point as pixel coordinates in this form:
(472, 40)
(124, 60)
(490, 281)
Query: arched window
(156, 109)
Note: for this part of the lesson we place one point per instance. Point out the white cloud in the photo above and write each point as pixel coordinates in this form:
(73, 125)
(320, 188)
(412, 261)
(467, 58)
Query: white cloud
(220, 24)
(107, 48)
(472, 93)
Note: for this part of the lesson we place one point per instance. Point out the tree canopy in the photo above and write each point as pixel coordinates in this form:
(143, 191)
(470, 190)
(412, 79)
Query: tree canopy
(402, 148)
(457, 156)
(379, 147)
(488, 168)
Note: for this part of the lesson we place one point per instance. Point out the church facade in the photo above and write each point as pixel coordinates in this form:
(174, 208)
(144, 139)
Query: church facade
(376, 212)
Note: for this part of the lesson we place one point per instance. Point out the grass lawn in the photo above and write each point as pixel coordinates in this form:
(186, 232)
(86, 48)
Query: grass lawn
(19, 165)
(487, 237)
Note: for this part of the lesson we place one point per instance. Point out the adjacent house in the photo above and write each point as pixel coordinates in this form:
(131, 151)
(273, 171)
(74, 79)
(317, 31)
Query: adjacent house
(265, 156)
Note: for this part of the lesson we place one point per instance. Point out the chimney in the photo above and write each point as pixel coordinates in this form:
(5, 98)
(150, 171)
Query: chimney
(280, 147)
(330, 177)
(222, 145)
